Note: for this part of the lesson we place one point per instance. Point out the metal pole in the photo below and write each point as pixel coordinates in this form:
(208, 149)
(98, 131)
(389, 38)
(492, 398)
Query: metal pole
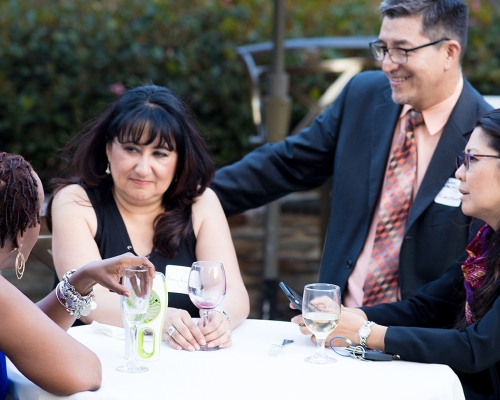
(277, 110)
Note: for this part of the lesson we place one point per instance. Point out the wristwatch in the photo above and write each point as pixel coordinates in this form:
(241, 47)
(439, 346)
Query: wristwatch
(364, 332)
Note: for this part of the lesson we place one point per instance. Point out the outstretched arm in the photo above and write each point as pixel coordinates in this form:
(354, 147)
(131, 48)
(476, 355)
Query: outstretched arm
(32, 337)
(105, 273)
(40, 349)
(300, 162)
(74, 224)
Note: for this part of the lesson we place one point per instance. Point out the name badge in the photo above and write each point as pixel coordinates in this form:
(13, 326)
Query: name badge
(449, 194)
(177, 278)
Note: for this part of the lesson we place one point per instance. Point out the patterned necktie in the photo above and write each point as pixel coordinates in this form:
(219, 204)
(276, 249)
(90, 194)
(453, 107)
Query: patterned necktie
(381, 285)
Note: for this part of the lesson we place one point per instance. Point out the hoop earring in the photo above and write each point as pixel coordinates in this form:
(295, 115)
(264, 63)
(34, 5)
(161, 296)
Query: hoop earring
(20, 265)
(108, 171)
(175, 178)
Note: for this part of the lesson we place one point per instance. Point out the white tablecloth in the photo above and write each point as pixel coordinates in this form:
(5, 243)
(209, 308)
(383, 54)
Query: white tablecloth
(246, 371)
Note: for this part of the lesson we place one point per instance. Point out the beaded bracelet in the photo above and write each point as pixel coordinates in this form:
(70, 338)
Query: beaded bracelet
(71, 300)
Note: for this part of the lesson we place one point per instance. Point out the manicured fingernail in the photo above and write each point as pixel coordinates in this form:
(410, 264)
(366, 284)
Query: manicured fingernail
(190, 348)
(203, 343)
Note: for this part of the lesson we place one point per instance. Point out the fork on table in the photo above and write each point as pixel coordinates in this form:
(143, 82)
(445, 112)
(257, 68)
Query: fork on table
(275, 348)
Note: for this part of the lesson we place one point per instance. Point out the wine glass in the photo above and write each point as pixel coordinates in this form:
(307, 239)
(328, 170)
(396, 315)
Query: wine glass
(207, 288)
(321, 312)
(134, 309)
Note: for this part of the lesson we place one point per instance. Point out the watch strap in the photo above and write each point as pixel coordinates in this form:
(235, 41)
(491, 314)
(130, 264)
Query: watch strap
(365, 328)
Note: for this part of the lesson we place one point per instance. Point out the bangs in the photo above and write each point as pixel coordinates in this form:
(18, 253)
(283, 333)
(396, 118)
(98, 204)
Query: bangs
(145, 126)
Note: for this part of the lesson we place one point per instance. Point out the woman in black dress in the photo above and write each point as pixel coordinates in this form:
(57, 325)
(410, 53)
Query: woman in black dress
(142, 173)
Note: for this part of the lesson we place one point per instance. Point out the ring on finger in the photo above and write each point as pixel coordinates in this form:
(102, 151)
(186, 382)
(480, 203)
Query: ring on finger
(171, 331)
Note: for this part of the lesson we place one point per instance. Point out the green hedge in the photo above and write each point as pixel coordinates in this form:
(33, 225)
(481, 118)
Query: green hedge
(61, 61)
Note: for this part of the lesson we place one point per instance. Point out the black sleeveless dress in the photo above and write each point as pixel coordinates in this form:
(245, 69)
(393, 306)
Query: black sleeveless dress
(112, 239)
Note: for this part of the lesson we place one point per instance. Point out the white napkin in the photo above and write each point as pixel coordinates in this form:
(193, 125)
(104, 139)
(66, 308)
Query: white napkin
(113, 331)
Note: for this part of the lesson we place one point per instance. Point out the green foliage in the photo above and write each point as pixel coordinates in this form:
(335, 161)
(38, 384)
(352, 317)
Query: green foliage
(60, 61)
(482, 58)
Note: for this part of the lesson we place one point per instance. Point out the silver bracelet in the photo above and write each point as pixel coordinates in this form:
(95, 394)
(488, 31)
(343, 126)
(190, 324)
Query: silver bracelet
(71, 300)
(221, 311)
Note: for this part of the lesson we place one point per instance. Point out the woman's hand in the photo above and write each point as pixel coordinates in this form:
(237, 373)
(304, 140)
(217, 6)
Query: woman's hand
(190, 336)
(348, 326)
(217, 332)
(187, 334)
(108, 272)
(300, 322)
(350, 322)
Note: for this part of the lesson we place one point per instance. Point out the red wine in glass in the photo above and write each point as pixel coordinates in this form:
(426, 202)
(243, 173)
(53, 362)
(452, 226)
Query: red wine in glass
(207, 288)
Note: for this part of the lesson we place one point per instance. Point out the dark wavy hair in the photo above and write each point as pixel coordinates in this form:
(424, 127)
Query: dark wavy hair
(488, 292)
(19, 200)
(440, 18)
(159, 113)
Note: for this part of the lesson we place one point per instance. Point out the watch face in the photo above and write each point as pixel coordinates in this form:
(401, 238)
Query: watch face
(364, 331)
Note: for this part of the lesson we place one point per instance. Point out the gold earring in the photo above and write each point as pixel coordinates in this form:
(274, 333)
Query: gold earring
(20, 262)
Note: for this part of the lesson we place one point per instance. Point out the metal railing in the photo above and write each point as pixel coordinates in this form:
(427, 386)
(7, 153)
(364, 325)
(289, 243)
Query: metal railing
(346, 68)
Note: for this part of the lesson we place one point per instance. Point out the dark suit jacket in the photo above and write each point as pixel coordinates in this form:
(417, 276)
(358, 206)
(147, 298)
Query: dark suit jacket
(473, 354)
(351, 141)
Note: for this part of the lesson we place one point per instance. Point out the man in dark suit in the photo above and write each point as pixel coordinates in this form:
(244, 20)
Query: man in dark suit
(420, 46)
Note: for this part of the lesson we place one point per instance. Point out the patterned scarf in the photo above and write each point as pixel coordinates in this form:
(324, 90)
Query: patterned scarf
(474, 268)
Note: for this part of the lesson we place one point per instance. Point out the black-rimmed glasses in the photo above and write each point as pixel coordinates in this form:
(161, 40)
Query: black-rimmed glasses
(465, 158)
(396, 54)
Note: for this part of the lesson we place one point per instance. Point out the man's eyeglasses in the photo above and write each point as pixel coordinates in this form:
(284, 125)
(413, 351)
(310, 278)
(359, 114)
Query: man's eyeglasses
(396, 54)
(465, 158)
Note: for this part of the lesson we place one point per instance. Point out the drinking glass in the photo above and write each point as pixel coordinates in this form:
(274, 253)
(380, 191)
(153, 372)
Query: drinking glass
(134, 309)
(207, 288)
(321, 312)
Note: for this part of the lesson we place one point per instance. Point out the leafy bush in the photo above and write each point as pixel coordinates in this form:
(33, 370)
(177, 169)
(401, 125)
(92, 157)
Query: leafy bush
(63, 61)
(482, 58)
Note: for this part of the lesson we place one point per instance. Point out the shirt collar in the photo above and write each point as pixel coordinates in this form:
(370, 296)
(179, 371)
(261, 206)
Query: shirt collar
(436, 116)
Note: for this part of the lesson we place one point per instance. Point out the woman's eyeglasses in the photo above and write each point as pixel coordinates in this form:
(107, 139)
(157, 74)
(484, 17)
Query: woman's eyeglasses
(465, 158)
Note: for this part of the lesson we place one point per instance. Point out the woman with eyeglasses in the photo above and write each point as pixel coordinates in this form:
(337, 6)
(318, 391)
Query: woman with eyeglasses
(454, 320)
(30, 334)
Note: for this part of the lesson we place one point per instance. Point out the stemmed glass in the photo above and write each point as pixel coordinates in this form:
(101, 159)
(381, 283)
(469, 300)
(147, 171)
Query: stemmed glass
(207, 288)
(321, 312)
(134, 309)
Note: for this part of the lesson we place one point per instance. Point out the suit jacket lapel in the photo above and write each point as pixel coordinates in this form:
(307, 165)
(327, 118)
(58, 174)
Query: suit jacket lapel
(442, 165)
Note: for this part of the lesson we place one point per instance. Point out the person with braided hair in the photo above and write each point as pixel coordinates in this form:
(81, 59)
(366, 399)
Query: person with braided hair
(28, 331)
